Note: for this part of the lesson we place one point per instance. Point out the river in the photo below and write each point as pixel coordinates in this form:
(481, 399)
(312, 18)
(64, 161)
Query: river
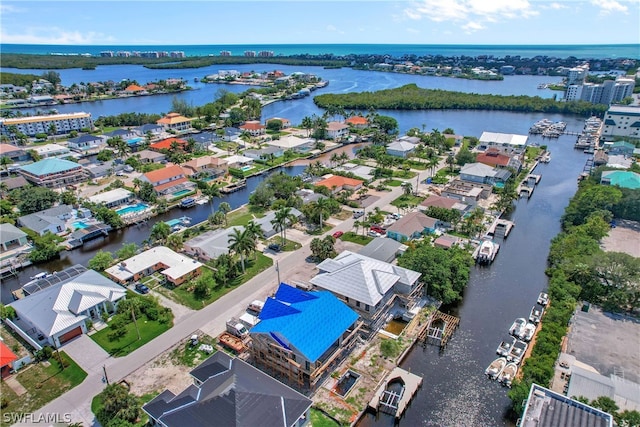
(455, 391)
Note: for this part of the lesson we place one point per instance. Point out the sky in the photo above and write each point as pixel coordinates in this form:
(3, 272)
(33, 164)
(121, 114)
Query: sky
(217, 22)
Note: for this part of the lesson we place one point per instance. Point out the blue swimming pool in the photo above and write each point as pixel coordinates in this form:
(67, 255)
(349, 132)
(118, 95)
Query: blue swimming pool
(135, 140)
(182, 193)
(246, 168)
(132, 209)
(79, 225)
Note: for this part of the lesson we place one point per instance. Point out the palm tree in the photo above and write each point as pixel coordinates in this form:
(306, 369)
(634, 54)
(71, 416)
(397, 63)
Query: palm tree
(225, 208)
(211, 192)
(160, 231)
(255, 230)
(241, 242)
(344, 157)
(322, 207)
(407, 188)
(307, 123)
(357, 224)
(5, 162)
(283, 217)
(335, 158)
(451, 161)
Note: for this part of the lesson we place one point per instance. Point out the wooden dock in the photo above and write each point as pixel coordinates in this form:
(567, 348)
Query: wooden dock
(500, 228)
(232, 188)
(439, 329)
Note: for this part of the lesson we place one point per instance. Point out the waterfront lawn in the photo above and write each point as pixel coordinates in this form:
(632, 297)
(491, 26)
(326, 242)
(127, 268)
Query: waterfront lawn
(43, 384)
(407, 200)
(184, 294)
(352, 237)
(149, 329)
(242, 217)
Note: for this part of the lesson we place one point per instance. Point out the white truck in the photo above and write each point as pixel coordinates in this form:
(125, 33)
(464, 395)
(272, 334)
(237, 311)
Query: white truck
(236, 328)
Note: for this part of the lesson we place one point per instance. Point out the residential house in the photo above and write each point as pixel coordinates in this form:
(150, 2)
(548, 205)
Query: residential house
(148, 156)
(125, 134)
(619, 161)
(169, 181)
(238, 161)
(623, 179)
(357, 122)
(443, 202)
(7, 357)
(211, 244)
(15, 182)
(309, 196)
(483, 174)
(293, 143)
(337, 183)
(302, 335)
(264, 153)
(360, 171)
(622, 148)
(467, 192)
(267, 226)
(367, 285)
(400, 148)
(446, 241)
(205, 166)
(168, 144)
(14, 153)
(489, 139)
(155, 129)
(286, 123)
(234, 394)
(175, 122)
(204, 140)
(175, 268)
(113, 198)
(134, 90)
(383, 249)
(52, 220)
(13, 242)
(253, 128)
(412, 226)
(60, 310)
(337, 130)
(86, 143)
(50, 150)
(495, 158)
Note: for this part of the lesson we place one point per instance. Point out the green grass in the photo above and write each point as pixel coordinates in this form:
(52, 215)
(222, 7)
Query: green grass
(407, 200)
(96, 405)
(43, 384)
(318, 231)
(352, 237)
(393, 183)
(289, 245)
(404, 174)
(188, 355)
(318, 419)
(242, 217)
(149, 329)
(184, 295)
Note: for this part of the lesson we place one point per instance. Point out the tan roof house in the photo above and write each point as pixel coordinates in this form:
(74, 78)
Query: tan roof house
(175, 121)
(205, 165)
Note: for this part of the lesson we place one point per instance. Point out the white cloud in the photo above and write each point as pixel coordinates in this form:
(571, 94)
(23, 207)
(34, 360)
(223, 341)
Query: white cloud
(55, 35)
(471, 15)
(557, 6)
(609, 6)
(332, 29)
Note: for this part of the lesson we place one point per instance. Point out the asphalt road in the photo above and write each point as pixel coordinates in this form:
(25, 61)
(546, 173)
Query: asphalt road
(211, 320)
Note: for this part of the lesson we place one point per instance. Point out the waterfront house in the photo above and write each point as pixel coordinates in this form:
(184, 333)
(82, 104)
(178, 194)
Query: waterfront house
(496, 158)
(53, 173)
(264, 153)
(148, 156)
(266, 225)
(303, 335)
(622, 148)
(7, 357)
(205, 167)
(383, 249)
(125, 134)
(399, 148)
(337, 183)
(175, 268)
(50, 220)
(446, 241)
(113, 198)
(285, 122)
(154, 129)
(211, 244)
(169, 181)
(360, 171)
(357, 122)
(134, 90)
(175, 122)
(623, 179)
(443, 202)
(234, 394)
(13, 242)
(14, 153)
(367, 285)
(514, 141)
(293, 143)
(483, 174)
(238, 161)
(412, 226)
(60, 307)
(337, 130)
(168, 144)
(467, 192)
(86, 143)
(50, 150)
(253, 128)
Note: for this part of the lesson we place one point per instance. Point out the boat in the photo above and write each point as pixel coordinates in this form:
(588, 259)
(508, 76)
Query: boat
(39, 276)
(517, 326)
(495, 368)
(528, 332)
(505, 347)
(517, 352)
(508, 374)
(535, 315)
(543, 299)
(189, 202)
(487, 251)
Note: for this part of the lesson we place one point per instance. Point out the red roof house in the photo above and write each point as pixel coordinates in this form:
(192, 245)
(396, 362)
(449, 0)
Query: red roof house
(166, 144)
(253, 127)
(6, 360)
(337, 183)
(357, 121)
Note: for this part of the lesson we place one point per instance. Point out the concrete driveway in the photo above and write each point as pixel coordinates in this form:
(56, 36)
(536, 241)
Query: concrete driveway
(86, 353)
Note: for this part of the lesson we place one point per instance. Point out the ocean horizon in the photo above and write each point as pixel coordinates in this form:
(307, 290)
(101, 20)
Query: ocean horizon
(604, 51)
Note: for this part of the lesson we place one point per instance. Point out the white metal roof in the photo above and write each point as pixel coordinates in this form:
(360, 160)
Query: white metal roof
(111, 196)
(178, 264)
(504, 138)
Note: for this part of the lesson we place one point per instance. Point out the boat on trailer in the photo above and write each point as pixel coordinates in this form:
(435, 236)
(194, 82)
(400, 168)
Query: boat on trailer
(495, 368)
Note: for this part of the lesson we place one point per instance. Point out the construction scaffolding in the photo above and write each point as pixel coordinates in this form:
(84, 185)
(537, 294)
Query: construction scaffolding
(439, 329)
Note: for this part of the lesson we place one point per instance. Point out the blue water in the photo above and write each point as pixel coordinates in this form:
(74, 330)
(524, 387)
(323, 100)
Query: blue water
(131, 209)
(527, 51)
(134, 140)
(173, 222)
(79, 225)
(182, 193)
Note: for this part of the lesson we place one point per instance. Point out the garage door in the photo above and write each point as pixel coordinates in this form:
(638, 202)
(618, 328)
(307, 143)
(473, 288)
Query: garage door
(71, 334)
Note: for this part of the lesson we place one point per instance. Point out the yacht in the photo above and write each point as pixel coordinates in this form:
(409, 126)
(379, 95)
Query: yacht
(518, 326)
(487, 252)
(495, 368)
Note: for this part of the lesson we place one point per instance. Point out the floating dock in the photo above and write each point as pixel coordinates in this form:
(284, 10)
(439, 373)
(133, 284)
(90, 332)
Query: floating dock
(396, 392)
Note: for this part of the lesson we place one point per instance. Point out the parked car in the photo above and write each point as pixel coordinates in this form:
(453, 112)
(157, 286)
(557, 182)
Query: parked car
(274, 247)
(377, 229)
(143, 289)
(358, 214)
(337, 234)
(374, 233)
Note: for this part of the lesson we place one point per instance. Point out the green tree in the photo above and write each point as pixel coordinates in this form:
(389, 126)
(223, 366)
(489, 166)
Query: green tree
(407, 188)
(202, 287)
(127, 250)
(211, 191)
(35, 199)
(160, 231)
(118, 404)
(175, 241)
(464, 156)
(241, 242)
(589, 198)
(101, 261)
(45, 247)
(146, 193)
(322, 249)
(68, 198)
(225, 208)
(321, 208)
(307, 124)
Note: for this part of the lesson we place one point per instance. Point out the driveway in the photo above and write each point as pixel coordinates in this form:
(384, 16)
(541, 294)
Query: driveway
(86, 353)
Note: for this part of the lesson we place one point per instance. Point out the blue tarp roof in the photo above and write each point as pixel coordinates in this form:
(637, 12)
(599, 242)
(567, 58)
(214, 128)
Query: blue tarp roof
(309, 321)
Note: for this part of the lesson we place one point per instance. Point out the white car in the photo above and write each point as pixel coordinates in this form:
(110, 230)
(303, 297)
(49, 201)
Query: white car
(374, 233)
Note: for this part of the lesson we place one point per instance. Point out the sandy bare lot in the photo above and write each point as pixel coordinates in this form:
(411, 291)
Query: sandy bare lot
(624, 238)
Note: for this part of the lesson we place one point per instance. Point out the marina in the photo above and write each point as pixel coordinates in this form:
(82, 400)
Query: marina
(495, 368)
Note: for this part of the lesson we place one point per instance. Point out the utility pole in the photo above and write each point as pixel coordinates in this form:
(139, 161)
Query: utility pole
(106, 378)
(135, 322)
(278, 271)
